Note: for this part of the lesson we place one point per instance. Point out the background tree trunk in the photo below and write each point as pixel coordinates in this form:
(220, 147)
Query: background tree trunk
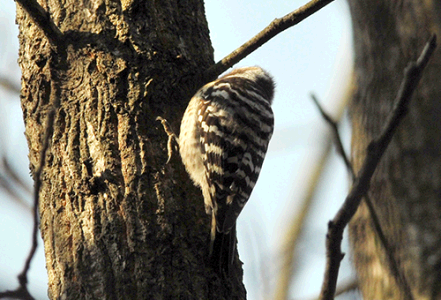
(406, 187)
(118, 223)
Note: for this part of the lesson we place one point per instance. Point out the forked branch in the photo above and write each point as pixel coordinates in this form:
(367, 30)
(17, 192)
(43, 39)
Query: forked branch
(375, 220)
(375, 150)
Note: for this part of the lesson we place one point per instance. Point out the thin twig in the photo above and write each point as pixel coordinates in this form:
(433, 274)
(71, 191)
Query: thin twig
(43, 21)
(376, 221)
(274, 28)
(375, 150)
(337, 139)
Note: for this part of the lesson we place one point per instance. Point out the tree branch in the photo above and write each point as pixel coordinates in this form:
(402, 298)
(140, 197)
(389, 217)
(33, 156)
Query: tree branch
(336, 134)
(375, 150)
(20, 293)
(393, 265)
(274, 28)
(43, 21)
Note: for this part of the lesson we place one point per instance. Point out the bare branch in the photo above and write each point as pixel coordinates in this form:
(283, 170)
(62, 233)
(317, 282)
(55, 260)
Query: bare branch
(337, 139)
(20, 293)
(274, 28)
(43, 21)
(375, 150)
(375, 220)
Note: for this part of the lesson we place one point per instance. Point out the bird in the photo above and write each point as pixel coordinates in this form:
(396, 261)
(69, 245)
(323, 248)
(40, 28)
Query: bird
(223, 140)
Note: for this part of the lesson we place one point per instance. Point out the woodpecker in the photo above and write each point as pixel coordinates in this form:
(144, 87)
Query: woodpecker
(223, 140)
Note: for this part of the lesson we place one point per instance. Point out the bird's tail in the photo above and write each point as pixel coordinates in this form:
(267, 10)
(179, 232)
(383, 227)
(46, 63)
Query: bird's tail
(222, 250)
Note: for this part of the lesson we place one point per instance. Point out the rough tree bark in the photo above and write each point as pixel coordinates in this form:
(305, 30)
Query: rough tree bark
(118, 223)
(406, 186)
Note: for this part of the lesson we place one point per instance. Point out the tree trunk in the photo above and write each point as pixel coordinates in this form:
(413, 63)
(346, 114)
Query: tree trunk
(406, 187)
(117, 222)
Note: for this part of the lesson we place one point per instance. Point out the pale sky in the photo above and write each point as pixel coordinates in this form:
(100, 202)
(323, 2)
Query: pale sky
(314, 56)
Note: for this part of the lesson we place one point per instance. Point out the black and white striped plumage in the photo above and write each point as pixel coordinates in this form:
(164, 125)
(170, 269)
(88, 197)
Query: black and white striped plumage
(224, 136)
